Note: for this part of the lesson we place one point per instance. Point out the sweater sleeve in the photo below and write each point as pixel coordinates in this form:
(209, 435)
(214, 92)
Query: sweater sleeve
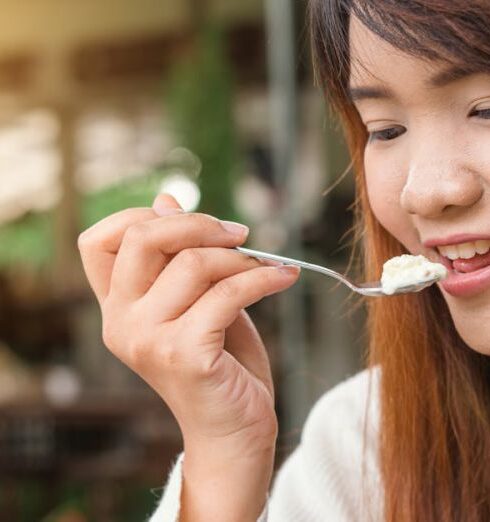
(169, 507)
(323, 477)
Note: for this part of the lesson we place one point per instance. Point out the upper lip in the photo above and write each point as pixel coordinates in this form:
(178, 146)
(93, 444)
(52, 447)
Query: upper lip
(455, 239)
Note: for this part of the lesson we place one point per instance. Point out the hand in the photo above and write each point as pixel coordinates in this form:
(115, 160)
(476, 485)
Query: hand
(172, 294)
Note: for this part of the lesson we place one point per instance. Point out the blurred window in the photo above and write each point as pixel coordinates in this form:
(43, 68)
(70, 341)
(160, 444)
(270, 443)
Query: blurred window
(111, 144)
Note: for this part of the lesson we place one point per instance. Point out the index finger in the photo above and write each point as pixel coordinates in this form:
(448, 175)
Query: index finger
(100, 244)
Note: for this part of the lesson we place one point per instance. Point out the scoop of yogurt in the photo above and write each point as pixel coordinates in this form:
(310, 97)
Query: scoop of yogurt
(407, 270)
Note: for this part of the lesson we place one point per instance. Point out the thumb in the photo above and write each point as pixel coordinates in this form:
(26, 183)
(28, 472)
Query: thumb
(164, 202)
(245, 344)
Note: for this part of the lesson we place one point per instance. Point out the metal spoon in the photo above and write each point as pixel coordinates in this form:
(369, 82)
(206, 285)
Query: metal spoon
(373, 289)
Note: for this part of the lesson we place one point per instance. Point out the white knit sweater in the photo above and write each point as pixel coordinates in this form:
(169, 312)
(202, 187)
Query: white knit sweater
(322, 480)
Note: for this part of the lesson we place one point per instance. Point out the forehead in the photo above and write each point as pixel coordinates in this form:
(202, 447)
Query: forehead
(373, 60)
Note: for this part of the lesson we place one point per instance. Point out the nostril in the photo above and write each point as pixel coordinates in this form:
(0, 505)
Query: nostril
(427, 205)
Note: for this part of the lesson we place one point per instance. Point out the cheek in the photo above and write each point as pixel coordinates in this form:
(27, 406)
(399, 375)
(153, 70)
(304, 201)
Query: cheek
(385, 182)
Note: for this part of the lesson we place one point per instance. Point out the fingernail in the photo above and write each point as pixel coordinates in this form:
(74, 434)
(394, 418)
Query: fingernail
(235, 228)
(270, 262)
(289, 269)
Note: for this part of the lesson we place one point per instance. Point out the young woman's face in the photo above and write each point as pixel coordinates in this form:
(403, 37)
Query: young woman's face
(427, 167)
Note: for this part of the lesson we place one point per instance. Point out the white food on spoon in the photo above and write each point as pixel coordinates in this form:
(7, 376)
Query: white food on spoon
(407, 270)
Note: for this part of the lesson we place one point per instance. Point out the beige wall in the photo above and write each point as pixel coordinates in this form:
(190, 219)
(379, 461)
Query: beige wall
(59, 24)
(50, 29)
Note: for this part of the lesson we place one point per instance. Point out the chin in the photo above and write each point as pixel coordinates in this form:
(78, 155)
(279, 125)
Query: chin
(472, 321)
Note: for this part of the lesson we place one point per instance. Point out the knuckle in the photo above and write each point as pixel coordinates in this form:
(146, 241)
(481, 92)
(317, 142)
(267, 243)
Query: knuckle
(136, 234)
(86, 240)
(126, 334)
(190, 259)
(226, 288)
(176, 336)
(139, 351)
(170, 357)
(204, 367)
(82, 241)
(202, 220)
(111, 329)
(109, 335)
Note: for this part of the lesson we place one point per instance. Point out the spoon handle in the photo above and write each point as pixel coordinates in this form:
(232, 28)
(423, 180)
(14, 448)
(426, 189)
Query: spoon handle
(296, 262)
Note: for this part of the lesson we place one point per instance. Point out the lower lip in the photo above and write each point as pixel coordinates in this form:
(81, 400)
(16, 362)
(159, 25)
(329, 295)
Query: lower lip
(466, 285)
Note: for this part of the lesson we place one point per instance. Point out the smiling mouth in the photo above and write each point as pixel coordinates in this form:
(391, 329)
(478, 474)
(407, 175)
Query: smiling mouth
(466, 257)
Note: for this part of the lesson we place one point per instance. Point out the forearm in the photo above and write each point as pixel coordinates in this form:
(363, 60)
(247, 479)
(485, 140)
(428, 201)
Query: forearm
(225, 491)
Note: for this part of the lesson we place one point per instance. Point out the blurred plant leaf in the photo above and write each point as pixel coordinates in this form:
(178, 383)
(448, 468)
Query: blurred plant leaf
(199, 101)
(27, 241)
(138, 192)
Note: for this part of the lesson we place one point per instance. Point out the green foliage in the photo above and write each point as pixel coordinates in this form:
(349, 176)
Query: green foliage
(199, 100)
(134, 500)
(138, 192)
(28, 241)
(138, 502)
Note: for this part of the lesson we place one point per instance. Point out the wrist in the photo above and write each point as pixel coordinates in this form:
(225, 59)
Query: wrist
(220, 489)
(237, 447)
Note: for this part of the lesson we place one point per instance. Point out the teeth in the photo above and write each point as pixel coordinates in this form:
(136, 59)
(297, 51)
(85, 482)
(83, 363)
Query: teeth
(482, 247)
(449, 251)
(465, 250)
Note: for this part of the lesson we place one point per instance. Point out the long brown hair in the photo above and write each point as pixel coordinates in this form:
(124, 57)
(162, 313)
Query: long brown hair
(435, 390)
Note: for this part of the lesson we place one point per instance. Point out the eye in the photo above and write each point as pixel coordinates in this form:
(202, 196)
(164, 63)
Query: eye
(484, 114)
(387, 134)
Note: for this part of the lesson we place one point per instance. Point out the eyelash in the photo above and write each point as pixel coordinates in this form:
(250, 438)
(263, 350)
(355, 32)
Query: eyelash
(387, 134)
(479, 113)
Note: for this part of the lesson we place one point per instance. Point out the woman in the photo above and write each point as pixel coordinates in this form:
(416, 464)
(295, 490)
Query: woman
(409, 438)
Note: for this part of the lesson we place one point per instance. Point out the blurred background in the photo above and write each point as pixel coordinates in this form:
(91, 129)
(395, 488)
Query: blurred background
(104, 103)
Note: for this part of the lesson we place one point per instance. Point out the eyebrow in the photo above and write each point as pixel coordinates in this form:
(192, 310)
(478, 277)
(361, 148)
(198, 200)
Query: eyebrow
(441, 79)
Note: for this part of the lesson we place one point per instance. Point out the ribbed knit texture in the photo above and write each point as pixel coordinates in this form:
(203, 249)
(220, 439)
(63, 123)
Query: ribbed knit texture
(322, 480)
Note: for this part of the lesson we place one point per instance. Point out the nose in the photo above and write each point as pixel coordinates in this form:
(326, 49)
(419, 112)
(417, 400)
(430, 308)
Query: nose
(433, 186)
